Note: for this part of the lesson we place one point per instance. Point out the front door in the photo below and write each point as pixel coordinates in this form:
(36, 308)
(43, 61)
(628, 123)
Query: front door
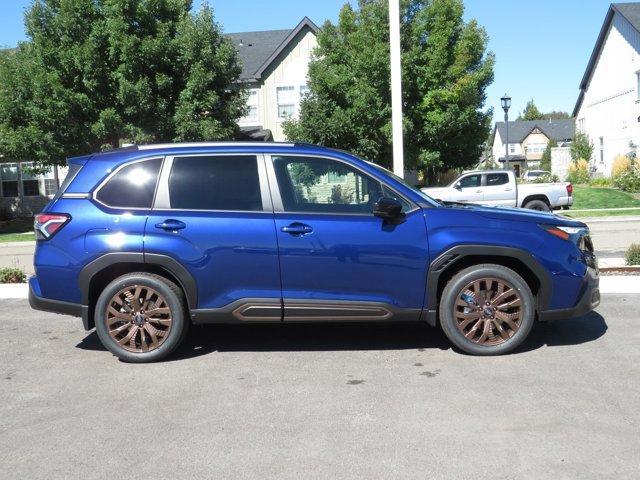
(469, 189)
(338, 261)
(213, 214)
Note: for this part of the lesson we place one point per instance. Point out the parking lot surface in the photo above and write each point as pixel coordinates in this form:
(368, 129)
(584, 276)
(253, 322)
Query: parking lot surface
(322, 401)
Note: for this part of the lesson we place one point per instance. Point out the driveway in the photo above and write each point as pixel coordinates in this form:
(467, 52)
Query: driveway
(322, 401)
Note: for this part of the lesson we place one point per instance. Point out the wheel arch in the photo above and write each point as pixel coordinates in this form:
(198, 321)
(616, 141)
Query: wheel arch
(539, 196)
(444, 267)
(95, 276)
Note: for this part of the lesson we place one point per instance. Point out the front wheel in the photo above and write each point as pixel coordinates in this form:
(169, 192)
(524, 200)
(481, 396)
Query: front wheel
(141, 317)
(487, 310)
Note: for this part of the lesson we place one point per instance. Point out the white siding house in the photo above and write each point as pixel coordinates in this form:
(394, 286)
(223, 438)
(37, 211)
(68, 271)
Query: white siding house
(275, 68)
(608, 107)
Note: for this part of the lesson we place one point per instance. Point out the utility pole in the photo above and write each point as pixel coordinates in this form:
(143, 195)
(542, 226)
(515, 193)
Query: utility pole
(396, 87)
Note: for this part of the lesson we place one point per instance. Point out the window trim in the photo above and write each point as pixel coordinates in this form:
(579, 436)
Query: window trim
(162, 201)
(278, 206)
(94, 193)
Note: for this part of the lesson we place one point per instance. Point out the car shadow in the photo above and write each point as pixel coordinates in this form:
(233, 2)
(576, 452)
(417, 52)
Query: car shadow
(203, 340)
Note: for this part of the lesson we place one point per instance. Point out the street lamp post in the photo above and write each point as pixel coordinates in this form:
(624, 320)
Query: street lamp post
(506, 104)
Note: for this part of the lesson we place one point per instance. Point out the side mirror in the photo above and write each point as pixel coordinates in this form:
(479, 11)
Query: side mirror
(458, 186)
(388, 209)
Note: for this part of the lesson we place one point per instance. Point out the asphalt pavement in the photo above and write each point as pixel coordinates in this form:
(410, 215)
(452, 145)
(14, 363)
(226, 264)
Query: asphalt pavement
(322, 401)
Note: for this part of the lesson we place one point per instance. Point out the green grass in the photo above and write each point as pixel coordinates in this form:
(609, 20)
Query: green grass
(585, 197)
(18, 230)
(570, 214)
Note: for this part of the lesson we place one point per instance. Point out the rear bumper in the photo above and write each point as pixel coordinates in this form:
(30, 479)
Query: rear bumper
(589, 299)
(38, 302)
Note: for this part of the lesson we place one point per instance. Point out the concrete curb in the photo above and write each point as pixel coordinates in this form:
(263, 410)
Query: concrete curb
(26, 243)
(620, 284)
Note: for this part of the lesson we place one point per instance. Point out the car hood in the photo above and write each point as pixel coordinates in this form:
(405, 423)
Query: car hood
(520, 215)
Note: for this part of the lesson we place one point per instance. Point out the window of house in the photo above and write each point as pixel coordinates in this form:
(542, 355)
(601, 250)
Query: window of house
(286, 97)
(133, 186)
(512, 148)
(30, 181)
(581, 125)
(601, 149)
(252, 107)
(305, 187)
(638, 85)
(215, 183)
(304, 90)
(9, 177)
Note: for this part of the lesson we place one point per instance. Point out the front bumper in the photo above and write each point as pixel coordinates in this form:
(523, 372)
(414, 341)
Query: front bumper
(589, 299)
(37, 302)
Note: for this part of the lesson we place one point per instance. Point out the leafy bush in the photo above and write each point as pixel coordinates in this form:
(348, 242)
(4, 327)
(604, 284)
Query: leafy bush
(629, 181)
(600, 182)
(632, 257)
(581, 147)
(620, 165)
(12, 275)
(547, 178)
(579, 172)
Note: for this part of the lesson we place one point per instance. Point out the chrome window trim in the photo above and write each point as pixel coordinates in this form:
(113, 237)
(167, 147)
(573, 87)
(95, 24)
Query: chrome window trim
(278, 206)
(75, 195)
(94, 193)
(162, 201)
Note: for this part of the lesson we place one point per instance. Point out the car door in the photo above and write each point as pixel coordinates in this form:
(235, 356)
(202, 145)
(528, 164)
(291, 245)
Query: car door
(469, 189)
(497, 190)
(337, 260)
(213, 214)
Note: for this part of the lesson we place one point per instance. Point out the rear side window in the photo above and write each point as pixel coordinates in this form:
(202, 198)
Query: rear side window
(74, 168)
(495, 179)
(215, 183)
(133, 186)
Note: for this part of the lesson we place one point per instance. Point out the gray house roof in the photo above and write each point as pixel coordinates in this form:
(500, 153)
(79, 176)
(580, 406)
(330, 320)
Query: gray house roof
(558, 130)
(257, 50)
(631, 12)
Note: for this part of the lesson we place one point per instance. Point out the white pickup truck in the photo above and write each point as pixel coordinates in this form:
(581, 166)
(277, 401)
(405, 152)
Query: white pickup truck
(499, 187)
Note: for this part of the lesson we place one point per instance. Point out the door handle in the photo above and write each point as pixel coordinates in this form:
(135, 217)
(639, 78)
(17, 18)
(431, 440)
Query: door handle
(507, 189)
(172, 225)
(478, 191)
(297, 229)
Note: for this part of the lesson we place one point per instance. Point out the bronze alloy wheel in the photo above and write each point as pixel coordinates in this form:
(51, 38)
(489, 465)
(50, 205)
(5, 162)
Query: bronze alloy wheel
(138, 318)
(488, 311)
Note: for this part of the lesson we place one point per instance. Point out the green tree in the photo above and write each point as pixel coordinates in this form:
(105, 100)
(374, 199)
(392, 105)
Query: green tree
(446, 70)
(581, 147)
(95, 74)
(545, 162)
(531, 112)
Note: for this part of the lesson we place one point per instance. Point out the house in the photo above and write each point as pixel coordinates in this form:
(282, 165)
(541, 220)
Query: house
(608, 106)
(275, 64)
(528, 140)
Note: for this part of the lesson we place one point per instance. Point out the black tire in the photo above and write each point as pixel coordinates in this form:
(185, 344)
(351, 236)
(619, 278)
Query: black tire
(175, 301)
(539, 205)
(455, 289)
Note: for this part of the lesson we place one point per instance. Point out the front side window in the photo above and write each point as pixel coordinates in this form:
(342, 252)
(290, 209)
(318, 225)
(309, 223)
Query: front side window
(495, 179)
(215, 183)
(311, 184)
(133, 186)
(9, 176)
(469, 181)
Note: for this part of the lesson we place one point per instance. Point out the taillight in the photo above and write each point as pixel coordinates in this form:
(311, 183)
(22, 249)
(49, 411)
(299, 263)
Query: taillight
(47, 224)
(569, 189)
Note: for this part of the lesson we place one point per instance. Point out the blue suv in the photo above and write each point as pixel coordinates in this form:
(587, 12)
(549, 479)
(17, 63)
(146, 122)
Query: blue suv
(141, 242)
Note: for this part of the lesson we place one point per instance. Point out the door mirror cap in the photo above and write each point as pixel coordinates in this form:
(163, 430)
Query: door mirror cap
(458, 186)
(388, 209)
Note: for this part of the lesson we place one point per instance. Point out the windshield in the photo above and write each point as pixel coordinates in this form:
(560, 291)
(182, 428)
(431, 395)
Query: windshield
(401, 180)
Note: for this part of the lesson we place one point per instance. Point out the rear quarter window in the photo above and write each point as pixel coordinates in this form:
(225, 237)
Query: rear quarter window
(132, 186)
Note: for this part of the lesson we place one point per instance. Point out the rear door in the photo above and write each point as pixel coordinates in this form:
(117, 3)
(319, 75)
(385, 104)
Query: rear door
(497, 190)
(213, 214)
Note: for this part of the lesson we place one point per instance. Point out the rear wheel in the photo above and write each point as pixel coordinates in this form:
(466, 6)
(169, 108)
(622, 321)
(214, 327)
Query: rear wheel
(539, 205)
(487, 310)
(141, 317)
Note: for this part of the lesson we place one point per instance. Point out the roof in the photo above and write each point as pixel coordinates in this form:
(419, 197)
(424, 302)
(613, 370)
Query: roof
(558, 130)
(257, 50)
(631, 12)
